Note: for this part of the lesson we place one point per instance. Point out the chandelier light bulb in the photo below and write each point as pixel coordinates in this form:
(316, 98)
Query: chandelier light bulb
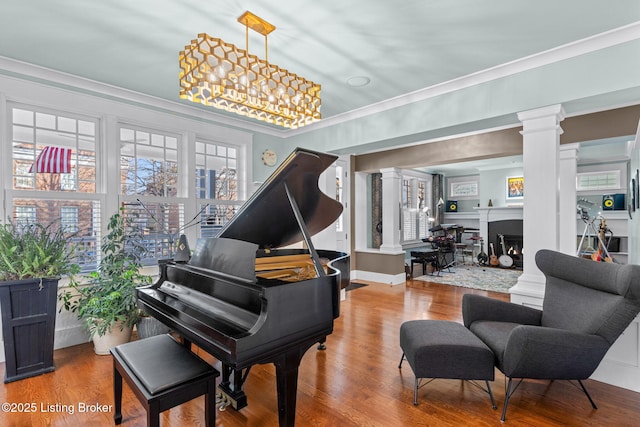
(220, 71)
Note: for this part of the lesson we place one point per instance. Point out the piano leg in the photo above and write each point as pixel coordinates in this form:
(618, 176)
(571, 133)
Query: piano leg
(287, 365)
(228, 395)
(287, 382)
(321, 344)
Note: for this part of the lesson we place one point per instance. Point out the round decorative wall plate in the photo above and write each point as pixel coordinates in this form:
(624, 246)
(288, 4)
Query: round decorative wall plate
(269, 157)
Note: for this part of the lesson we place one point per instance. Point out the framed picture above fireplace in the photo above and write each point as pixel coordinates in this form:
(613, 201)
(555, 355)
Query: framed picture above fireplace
(515, 187)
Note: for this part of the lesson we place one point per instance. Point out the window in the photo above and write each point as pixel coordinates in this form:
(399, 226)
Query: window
(605, 180)
(53, 158)
(409, 230)
(35, 131)
(68, 181)
(148, 163)
(55, 170)
(217, 185)
(22, 176)
(216, 171)
(81, 221)
(25, 215)
(161, 223)
(149, 188)
(69, 218)
(415, 223)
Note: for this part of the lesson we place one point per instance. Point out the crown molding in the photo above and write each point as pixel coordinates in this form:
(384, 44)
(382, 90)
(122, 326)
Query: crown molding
(35, 73)
(574, 49)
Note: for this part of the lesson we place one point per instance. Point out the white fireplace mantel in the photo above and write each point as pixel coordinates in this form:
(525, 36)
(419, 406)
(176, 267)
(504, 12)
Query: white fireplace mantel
(503, 213)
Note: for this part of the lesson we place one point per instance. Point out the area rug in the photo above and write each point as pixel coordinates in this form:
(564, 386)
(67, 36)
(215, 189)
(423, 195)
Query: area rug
(355, 285)
(476, 277)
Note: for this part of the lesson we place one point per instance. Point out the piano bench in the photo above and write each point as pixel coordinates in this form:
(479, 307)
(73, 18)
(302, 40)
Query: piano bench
(425, 262)
(162, 374)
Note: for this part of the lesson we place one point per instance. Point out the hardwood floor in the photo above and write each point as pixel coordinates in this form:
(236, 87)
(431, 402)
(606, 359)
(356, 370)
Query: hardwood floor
(355, 382)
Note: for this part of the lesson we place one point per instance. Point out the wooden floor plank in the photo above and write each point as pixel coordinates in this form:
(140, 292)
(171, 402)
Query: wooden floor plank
(355, 382)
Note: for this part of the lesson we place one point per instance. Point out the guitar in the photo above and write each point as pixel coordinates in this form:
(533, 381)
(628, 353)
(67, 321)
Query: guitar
(505, 260)
(482, 256)
(601, 254)
(493, 259)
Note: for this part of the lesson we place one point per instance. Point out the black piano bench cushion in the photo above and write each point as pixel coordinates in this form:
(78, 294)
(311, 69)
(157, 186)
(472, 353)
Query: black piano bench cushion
(160, 363)
(162, 374)
(444, 349)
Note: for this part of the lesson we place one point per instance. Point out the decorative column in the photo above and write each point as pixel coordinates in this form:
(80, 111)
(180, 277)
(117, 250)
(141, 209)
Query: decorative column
(391, 180)
(541, 141)
(567, 203)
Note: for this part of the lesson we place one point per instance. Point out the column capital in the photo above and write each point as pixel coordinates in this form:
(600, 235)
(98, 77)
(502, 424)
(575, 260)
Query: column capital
(390, 173)
(542, 119)
(569, 151)
(551, 110)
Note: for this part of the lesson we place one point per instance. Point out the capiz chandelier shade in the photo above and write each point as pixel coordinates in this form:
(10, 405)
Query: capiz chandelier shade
(221, 75)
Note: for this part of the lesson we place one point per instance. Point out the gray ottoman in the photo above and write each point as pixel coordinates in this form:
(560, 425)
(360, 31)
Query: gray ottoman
(443, 349)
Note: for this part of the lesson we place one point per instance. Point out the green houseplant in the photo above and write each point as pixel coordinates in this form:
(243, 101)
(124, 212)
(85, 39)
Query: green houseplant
(33, 257)
(35, 251)
(107, 301)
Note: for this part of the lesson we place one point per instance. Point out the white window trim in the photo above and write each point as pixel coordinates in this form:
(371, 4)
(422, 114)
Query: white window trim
(616, 173)
(109, 113)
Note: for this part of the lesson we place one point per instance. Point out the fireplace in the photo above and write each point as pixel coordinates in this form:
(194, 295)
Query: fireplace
(511, 232)
(508, 220)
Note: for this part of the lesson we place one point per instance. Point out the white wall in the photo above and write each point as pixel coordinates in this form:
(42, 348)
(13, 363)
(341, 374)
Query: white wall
(493, 185)
(621, 365)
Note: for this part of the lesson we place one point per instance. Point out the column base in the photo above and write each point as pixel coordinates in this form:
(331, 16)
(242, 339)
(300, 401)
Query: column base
(529, 290)
(391, 249)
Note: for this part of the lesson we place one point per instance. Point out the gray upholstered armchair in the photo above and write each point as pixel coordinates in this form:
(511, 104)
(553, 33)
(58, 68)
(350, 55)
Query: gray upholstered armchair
(587, 305)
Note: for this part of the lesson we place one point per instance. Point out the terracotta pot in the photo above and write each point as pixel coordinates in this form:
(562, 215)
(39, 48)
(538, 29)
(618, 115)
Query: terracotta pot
(103, 343)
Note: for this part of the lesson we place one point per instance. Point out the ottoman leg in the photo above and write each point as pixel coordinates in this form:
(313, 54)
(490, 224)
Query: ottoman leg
(508, 394)
(415, 392)
(401, 359)
(493, 402)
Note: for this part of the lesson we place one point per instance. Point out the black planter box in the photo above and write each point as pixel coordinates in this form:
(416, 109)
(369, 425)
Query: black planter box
(28, 326)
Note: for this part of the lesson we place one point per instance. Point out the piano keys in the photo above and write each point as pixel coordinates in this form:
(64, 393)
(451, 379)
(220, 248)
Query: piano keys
(246, 301)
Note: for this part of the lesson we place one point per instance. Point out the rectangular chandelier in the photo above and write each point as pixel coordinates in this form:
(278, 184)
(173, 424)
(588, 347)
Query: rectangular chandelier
(221, 75)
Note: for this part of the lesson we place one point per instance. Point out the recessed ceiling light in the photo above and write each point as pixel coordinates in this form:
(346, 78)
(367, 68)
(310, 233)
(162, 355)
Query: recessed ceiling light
(358, 81)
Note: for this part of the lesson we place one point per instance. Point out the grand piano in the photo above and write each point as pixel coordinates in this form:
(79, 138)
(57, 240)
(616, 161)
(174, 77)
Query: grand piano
(246, 302)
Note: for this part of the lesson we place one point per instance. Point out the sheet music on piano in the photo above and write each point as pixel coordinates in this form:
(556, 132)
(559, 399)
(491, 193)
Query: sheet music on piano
(244, 300)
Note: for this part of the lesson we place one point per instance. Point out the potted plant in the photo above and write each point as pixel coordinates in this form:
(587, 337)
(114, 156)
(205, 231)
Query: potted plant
(33, 257)
(148, 326)
(107, 302)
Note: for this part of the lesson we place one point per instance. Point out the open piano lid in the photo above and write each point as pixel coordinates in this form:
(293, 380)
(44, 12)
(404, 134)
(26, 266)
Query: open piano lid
(268, 218)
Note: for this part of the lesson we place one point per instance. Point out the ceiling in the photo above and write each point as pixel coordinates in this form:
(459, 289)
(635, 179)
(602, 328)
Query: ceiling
(399, 47)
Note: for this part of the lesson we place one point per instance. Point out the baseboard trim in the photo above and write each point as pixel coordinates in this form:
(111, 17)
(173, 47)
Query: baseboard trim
(391, 279)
